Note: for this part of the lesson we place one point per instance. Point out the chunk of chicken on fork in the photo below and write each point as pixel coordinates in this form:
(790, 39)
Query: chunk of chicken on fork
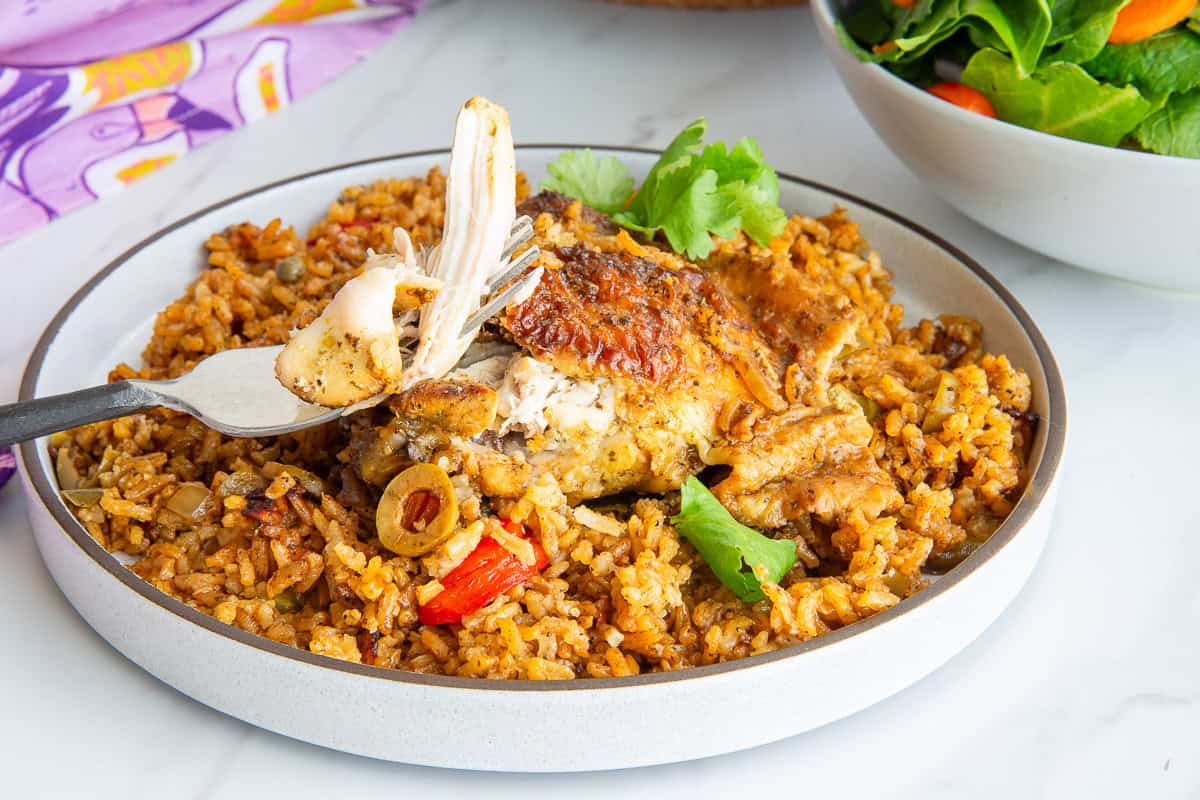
(352, 354)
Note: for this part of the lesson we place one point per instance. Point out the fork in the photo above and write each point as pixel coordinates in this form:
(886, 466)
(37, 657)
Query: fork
(235, 391)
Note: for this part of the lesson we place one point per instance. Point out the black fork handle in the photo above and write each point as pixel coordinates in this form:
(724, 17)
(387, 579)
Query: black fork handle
(20, 422)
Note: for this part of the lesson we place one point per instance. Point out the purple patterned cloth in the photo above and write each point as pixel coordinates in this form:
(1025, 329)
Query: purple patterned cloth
(94, 95)
(8, 465)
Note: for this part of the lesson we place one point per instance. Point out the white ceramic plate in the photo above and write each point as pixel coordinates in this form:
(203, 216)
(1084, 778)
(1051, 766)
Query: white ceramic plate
(525, 725)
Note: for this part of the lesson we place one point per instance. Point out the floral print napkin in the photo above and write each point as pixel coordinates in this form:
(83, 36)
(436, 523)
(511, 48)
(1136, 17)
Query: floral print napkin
(95, 95)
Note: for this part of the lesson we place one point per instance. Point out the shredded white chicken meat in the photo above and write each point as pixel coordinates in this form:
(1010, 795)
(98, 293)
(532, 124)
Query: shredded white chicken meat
(352, 354)
(534, 396)
(481, 201)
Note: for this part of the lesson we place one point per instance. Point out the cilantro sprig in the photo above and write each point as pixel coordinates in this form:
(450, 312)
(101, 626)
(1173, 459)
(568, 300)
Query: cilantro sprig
(602, 183)
(690, 194)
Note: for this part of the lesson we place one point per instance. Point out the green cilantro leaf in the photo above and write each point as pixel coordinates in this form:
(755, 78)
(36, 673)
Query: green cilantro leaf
(604, 183)
(761, 218)
(693, 209)
(736, 554)
(689, 195)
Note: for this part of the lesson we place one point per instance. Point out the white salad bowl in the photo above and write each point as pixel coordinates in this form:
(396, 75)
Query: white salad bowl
(1121, 212)
(527, 725)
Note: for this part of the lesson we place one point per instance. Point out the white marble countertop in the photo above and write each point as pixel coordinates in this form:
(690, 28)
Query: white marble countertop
(1088, 686)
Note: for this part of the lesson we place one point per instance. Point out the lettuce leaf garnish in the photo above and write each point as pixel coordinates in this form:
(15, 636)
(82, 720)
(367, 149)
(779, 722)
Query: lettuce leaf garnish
(689, 194)
(736, 554)
(602, 183)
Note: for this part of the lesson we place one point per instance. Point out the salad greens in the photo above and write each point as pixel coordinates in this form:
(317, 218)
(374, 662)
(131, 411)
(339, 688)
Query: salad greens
(1059, 98)
(737, 555)
(1175, 128)
(1168, 62)
(689, 194)
(1049, 64)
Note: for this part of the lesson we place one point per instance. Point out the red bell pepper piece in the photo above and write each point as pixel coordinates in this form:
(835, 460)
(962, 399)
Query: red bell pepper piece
(482, 576)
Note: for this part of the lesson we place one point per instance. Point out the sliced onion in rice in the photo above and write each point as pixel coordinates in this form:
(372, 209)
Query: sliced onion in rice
(191, 500)
(82, 498)
(64, 468)
(519, 547)
(428, 591)
(597, 521)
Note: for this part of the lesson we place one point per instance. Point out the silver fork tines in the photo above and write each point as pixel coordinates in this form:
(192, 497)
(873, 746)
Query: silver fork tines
(515, 293)
(512, 270)
(520, 233)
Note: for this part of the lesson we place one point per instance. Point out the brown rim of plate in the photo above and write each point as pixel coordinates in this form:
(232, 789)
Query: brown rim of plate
(1053, 427)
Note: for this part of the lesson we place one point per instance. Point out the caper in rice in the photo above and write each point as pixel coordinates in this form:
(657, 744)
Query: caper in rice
(242, 482)
(290, 269)
(288, 601)
(309, 482)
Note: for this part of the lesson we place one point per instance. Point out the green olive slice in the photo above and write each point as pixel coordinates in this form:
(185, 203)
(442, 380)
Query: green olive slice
(418, 511)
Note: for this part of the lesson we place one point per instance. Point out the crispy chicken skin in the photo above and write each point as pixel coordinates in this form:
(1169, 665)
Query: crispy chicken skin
(620, 315)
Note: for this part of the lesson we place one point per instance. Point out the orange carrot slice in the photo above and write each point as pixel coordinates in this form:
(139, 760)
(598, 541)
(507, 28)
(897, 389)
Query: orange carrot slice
(1142, 19)
(964, 97)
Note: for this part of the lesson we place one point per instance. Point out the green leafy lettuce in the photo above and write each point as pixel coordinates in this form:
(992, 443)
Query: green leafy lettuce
(689, 194)
(1165, 63)
(1059, 98)
(602, 183)
(1044, 64)
(1173, 130)
(736, 554)
(1019, 27)
(1080, 28)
